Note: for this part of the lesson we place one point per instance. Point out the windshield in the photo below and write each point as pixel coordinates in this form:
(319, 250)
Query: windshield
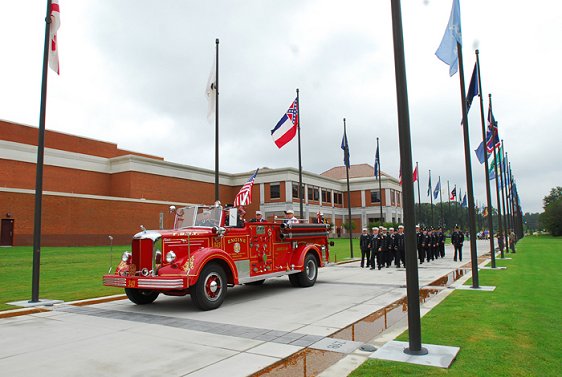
(207, 216)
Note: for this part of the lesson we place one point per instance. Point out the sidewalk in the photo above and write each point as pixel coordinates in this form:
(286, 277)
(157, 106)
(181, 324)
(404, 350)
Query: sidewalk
(256, 327)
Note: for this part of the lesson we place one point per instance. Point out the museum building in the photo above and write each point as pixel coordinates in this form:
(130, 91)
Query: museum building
(92, 190)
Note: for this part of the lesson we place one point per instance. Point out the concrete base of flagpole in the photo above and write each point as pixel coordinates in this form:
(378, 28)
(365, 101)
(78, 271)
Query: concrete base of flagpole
(434, 355)
(30, 304)
(483, 288)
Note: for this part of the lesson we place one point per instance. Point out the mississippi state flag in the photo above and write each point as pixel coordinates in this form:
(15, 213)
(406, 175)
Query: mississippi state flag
(53, 44)
(286, 128)
(244, 196)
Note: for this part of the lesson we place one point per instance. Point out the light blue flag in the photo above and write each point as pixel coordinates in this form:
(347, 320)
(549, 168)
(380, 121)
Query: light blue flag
(447, 50)
(437, 189)
(480, 153)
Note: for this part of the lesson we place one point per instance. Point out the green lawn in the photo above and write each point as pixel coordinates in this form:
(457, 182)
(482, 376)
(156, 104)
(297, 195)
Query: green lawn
(67, 273)
(514, 331)
(340, 251)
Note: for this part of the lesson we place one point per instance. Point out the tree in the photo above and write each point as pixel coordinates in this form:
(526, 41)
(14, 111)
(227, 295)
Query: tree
(552, 216)
(555, 195)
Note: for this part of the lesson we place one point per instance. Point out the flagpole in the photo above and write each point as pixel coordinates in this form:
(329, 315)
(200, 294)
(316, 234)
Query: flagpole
(502, 171)
(431, 198)
(449, 198)
(471, 214)
(348, 192)
(40, 158)
(456, 205)
(507, 195)
(412, 282)
(487, 173)
(418, 181)
(441, 203)
(380, 184)
(301, 194)
(490, 213)
(217, 196)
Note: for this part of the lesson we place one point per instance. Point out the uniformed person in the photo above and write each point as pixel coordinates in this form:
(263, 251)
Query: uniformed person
(441, 242)
(259, 218)
(290, 217)
(419, 238)
(426, 244)
(375, 249)
(399, 244)
(364, 245)
(457, 238)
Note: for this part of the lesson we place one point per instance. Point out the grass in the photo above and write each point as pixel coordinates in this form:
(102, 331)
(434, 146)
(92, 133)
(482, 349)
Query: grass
(340, 251)
(67, 273)
(514, 331)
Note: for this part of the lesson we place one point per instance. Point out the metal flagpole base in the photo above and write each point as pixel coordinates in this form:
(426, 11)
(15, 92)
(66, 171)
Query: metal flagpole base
(421, 352)
(31, 304)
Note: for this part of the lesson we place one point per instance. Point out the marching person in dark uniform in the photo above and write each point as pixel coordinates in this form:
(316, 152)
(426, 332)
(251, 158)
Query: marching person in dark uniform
(259, 218)
(399, 244)
(441, 243)
(434, 252)
(426, 244)
(512, 241)
(384, 246)
(419, 237)
(457, 238)
(365, 244)
(375, 249)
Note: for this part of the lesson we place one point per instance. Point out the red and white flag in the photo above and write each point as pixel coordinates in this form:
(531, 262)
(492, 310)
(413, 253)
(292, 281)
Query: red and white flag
(53, 44)
(244, 196)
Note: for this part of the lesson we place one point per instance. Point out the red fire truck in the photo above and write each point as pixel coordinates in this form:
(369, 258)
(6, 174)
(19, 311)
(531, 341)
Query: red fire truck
(209, 250)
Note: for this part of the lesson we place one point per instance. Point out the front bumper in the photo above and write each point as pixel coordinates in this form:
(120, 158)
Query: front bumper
(146, 282)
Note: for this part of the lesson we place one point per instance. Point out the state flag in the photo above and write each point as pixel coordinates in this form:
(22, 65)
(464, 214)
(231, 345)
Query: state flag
(286, 128)
(453, 194)
(437, 189)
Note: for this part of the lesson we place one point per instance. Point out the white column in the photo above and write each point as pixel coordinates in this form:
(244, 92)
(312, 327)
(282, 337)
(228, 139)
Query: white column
(262, 193)
(289, 192)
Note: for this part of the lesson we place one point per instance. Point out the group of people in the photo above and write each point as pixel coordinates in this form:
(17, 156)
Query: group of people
(382, 247)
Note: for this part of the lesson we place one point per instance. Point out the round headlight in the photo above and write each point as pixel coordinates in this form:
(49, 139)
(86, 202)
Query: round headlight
(126, 255)
(170, 256)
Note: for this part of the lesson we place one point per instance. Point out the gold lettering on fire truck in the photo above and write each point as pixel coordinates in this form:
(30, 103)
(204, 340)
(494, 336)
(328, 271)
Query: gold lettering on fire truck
(236, 239)
(188, 265)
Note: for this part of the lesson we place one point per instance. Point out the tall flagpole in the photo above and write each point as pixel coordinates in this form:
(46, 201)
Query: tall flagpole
(507, 196)
(217, 195)
(449, 198)
(431, 199)
(441, 203)
(502, 181)
(488, 192)
(347, 165)
(498, 203)
(468, 165)
(380, 184)
(419, 200)
(40, 157)
(301, 193)
(412, 282)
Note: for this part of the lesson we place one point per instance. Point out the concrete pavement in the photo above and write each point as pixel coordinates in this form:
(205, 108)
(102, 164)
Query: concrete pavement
(256, 327)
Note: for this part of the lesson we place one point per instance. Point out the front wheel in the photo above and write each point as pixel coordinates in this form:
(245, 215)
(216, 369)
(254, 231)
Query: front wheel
(308, 276)
(141, 296)
(210, 290)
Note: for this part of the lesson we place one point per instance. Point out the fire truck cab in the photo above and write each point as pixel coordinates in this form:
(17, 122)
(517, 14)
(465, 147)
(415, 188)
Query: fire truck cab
(209, 250)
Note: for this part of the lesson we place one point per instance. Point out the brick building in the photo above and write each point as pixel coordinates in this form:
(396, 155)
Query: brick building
(92, 189)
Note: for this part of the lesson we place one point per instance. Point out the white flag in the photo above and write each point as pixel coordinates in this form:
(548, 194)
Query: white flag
(210, 92)
(53, 44)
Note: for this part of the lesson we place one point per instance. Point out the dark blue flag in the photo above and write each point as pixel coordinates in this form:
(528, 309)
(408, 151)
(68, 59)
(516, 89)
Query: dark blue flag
(377, 163)
(345, 147)
(464, 203)
(473, 88)
(437, 189)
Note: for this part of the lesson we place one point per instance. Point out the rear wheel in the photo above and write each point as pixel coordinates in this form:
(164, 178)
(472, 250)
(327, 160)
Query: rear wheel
(210, 290)
(294, 279)
(308, 276)
(141, 296)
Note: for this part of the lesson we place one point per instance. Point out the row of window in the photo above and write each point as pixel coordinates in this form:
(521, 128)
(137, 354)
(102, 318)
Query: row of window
(315, 192)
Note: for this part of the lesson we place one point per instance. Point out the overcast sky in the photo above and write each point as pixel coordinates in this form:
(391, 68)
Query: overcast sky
(134, 72)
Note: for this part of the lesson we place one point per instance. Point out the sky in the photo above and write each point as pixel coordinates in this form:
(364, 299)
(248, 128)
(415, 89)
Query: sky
(134, 72)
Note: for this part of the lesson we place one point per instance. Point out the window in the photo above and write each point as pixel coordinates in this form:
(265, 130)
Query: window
(398, 199)
(326, 197)
(375, 196)
(296, 191)
(275, 191)
(338, 198)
